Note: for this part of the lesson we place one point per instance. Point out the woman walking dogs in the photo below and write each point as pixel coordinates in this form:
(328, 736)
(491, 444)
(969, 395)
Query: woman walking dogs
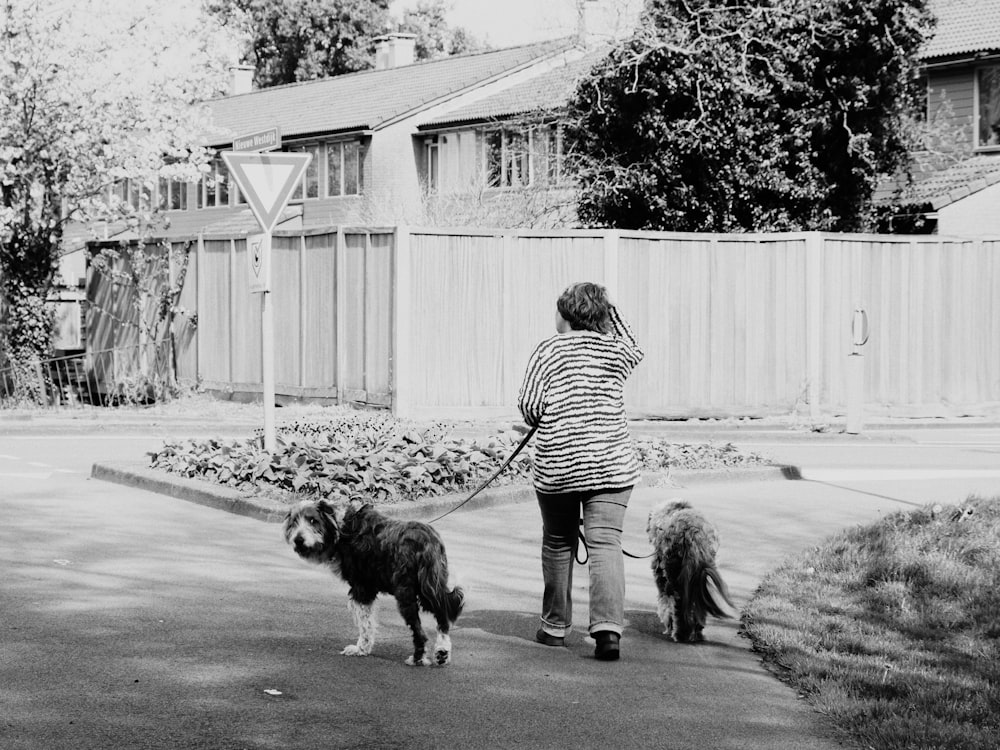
(584, 459)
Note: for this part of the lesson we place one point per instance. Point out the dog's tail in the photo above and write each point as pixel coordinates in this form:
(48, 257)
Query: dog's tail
(704, 591)
(434, 590)
(713, 588)
(454, 603)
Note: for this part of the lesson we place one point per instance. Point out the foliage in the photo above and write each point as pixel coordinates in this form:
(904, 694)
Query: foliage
(381, 459)
(434, 37)
(146, 279)
(658, 454)
(891, 628)
(93, 92)
(768, 116)
(301, 40)
(28, 323)
(374, 458)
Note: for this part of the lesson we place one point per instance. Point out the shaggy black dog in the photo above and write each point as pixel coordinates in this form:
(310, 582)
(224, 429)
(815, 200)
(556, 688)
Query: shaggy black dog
(684, 547)
(379, 555)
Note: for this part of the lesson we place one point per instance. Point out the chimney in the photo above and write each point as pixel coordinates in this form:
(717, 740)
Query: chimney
(394, 50)
(240, 79)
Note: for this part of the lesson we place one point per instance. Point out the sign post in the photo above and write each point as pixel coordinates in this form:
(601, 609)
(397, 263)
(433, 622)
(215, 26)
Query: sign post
(268, 181)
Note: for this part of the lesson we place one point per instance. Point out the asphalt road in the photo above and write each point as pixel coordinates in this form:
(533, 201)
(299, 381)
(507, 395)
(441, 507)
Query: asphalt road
(133, 620)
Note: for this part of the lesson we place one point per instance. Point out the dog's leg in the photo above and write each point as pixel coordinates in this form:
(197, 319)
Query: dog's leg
(442, 649)
(442, 645)
(664, 610)
(682, 630)
(364, 617)
(409, 608)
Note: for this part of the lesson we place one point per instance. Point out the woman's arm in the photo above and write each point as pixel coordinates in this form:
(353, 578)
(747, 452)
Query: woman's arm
(531, 399)
(621, 329)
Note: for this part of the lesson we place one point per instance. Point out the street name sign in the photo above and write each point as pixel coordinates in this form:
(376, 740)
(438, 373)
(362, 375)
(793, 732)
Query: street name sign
(267, 180)
(263, 140)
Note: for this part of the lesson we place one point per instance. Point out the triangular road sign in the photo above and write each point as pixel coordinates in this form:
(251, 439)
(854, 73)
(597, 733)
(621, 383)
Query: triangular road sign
(267, 180)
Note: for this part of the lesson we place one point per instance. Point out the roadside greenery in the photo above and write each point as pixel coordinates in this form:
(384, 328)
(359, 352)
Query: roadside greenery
(380, 459)
(891, 629)
(716, 116)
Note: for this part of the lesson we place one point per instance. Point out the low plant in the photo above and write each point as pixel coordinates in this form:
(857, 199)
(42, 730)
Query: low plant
(376, 457)
(658, 454)
(891, 629)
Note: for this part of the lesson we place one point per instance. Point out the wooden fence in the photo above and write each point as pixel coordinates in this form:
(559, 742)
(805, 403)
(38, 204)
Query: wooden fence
(440, 323)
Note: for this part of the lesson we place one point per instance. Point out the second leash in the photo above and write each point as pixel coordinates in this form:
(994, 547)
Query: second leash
(583, 543)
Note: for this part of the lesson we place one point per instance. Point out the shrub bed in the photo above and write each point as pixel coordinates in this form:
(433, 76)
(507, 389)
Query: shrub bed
(380, 459)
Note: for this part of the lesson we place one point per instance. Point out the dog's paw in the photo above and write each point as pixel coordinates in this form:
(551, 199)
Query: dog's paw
(354, 650)
(442, 650)
(422, 662)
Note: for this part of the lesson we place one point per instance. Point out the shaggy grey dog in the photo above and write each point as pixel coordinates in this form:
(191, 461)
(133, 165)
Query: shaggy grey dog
(689, 584)
(379, 555)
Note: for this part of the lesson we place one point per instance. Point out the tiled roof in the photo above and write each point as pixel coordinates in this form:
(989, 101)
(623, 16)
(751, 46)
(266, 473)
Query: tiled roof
(963, 27)
(943, 187)
(545, 91)
(366, 100)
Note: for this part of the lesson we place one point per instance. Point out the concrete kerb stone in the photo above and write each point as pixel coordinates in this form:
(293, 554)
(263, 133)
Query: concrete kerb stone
(139, 475)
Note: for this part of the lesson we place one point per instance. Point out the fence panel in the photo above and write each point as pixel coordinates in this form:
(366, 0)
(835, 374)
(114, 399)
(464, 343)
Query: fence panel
(318, 273)
(731, 324)
(931, 304)
(215, 287)
(719, 320)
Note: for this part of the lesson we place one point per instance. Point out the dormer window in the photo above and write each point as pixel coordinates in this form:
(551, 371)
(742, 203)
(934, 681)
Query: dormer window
(988, 107)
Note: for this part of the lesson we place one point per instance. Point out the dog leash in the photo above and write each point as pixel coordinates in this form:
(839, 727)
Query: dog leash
(583, 543)
(484, 485)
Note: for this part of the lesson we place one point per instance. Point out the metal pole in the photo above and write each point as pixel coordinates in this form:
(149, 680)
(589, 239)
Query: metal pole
(855, 392)
(267, 362)
(856, 372)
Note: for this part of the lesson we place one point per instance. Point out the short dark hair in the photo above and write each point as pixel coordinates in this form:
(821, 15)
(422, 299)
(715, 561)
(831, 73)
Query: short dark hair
(585, 306)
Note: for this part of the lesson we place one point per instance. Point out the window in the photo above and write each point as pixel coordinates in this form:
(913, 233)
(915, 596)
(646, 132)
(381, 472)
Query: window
(433, 164)
(988, 101)
(214, 188)
(344, 168)
(519, 158)
(131, 192)
(173, 195)
(309, 187)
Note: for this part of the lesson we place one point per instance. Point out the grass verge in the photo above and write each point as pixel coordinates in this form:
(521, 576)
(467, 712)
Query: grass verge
(893, 629)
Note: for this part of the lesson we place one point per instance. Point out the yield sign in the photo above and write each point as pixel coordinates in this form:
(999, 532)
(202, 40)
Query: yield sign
(267, 180)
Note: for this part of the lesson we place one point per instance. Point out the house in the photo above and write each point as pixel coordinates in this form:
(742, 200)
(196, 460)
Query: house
(373, 161)
(956, 188)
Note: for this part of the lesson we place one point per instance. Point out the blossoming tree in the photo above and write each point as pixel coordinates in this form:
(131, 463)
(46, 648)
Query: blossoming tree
(92, 92)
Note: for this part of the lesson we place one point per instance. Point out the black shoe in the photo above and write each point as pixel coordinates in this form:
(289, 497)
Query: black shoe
(607, 648)
(549, 640)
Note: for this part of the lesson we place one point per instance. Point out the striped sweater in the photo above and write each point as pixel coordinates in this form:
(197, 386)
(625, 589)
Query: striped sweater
(573, 391)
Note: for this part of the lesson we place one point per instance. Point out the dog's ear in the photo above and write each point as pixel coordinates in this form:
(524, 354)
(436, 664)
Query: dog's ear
(329, 512)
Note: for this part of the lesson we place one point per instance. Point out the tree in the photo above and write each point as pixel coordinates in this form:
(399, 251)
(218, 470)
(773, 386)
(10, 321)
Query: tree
(299, 40)
(720, 115)
(435, 38)
(92, 93)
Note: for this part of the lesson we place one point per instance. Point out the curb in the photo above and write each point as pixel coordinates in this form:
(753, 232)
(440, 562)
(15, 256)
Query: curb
(137, 474)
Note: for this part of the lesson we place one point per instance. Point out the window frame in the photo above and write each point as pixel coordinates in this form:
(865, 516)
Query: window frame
(978, 114)
(525, 158)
